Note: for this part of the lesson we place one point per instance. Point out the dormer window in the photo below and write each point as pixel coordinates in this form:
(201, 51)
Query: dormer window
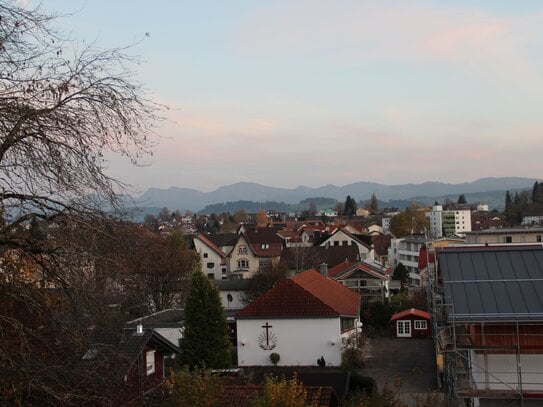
(265, 246)
(242, 250)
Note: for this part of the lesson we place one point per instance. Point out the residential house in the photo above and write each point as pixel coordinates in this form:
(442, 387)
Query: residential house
(254, 251)
(212, 258)
(488, 316)
(298, 259)
(340, 237)
(367, 277)
(302, 318)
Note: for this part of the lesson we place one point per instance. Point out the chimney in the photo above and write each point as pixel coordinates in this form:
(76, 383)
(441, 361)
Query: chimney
(323, 268)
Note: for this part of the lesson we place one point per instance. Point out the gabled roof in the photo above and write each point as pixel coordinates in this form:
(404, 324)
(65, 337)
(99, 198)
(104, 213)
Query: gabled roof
(211, 245)
(373, 269)
(308, 257)
(308, 294)
(494, 283)
(263, 243)
(410, 312)
(223, 239)
(352, 236)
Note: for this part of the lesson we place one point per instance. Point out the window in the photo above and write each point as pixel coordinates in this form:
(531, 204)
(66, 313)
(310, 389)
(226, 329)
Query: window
(242, 250)
(243, 264)
(420, 324)
(211, 276)
(265, 246)
(205, 255)
(538, 238)
(223, 270)
(265, 263)
(508, 239)
(210, 265)
(344, 243)
(229, 297)
(150, 362)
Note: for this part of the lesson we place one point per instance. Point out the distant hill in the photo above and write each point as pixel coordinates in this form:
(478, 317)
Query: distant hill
(487, 190)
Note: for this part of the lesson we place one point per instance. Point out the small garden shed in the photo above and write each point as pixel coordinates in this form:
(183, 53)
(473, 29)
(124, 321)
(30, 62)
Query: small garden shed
(411, 323)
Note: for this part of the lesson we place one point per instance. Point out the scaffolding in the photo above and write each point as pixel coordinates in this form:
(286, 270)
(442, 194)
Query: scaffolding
(485, 361)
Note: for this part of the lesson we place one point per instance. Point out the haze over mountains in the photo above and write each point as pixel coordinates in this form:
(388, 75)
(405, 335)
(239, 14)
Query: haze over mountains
(185, 198)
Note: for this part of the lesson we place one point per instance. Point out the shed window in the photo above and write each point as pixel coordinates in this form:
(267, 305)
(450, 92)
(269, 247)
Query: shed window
(150, 362)
(421, 324)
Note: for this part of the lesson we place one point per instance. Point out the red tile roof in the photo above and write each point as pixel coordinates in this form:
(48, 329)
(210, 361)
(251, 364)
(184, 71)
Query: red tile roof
(409, 312)
(340, 268)
(308, 294)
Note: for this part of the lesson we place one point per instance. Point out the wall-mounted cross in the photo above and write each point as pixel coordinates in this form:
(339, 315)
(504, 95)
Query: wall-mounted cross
(267, 327)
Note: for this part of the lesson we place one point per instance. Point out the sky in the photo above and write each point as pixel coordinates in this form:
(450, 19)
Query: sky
(309, 92)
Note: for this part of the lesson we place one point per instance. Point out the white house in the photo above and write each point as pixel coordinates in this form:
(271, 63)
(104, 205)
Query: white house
(212, 258)
(302, 318)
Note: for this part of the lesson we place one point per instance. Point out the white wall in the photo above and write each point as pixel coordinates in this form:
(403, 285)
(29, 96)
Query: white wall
(237, 299)
(341, 239)
(204, 250)
(300, 342)
(503, 368)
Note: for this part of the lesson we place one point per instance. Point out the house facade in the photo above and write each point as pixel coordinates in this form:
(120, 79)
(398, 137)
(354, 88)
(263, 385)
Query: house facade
(367, 277)
(449, 222)
(302, 318)
(212, 258)
(505, 235)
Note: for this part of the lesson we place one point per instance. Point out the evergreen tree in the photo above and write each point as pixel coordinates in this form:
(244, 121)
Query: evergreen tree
(374, 205)
(205, 340)
(462, 199)
(508, 202)
(350, 206)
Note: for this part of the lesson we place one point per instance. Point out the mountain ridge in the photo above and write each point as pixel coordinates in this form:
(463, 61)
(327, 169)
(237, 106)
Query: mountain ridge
(189, 198)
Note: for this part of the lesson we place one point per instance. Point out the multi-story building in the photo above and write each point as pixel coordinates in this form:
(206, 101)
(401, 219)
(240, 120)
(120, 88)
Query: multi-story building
(406, 250)
(449, 222)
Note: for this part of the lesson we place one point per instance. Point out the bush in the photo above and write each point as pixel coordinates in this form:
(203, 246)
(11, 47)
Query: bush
(275, 357)
(351, 358)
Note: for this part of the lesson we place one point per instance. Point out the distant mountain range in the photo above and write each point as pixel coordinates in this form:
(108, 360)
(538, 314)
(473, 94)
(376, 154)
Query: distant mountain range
(481, 190)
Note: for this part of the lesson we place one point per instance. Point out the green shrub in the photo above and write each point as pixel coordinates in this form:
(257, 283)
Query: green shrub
(275, 357)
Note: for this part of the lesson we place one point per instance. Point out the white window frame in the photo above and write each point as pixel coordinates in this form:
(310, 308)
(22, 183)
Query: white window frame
(421, 324)
(150, 362)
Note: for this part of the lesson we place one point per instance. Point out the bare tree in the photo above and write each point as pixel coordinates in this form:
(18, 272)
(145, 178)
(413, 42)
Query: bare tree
(61, 110)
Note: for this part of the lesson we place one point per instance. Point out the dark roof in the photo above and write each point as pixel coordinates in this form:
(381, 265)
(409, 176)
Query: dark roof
(308, 294)
(235, 284)
(223, 239)
(310, 257)
(127, 345)
(505, 230)
(493, 283)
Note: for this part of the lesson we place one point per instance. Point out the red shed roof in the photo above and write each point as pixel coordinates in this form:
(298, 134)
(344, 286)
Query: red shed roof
(410, 312)
(308, 294)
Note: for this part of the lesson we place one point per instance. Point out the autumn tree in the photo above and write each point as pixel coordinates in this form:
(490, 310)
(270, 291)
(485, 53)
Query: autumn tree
(205, 341)
(282, 392)
(261, 219)
(62, 109)
(412, 221)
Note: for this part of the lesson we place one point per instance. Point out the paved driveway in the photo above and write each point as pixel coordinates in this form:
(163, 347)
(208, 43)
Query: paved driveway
(412, 361)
